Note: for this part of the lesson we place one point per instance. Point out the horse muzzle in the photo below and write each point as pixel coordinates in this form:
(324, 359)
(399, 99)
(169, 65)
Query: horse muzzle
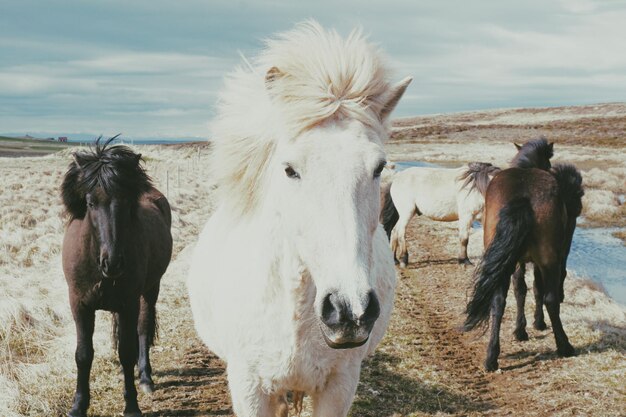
(111, 268)
(341, 327)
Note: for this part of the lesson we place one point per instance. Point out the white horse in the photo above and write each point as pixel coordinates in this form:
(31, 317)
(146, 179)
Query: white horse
(441, 194)
(292, 281)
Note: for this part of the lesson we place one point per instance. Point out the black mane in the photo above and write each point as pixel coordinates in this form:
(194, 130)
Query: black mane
(477, 175)
(113, 168)
(535, 153)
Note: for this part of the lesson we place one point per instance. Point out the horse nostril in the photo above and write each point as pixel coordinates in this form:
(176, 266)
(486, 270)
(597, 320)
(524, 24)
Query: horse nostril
(104, 264)
(372, 311)
(332, 310)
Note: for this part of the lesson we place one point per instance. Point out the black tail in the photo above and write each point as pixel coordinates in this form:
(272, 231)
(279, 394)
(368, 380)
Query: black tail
(153, 330)
(499, 260)
(388, 214)
(115, 331)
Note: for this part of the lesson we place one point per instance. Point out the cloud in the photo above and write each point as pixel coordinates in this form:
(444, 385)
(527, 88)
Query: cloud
(154, 68)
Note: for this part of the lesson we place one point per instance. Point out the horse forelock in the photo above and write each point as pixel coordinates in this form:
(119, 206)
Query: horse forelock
(113, 169)
(321, 77)
(324, 76)
(532, 153)
(477, 176)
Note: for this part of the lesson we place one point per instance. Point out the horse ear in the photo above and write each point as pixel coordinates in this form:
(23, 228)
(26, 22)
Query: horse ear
(77, 161)
(551, 146)
(138, 157)
(519, 147)
(394, 96)
(271, 76)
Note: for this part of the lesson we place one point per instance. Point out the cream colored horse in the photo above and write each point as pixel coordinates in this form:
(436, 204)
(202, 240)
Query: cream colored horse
(441, 194)
(292, 281)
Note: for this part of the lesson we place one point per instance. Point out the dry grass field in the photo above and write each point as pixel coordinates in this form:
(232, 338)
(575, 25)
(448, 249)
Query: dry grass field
(424, 366)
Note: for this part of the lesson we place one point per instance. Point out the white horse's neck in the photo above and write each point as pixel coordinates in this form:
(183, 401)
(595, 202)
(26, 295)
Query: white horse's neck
(285, 281)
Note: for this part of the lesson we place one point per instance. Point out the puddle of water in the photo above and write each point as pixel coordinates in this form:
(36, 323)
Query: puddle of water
(596, 254)
(402, 165)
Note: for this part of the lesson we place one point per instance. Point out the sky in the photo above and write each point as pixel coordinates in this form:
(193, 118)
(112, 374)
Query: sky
(153, 68)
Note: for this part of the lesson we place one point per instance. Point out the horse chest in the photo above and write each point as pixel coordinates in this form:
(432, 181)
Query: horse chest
(110, 295)
(304, 365)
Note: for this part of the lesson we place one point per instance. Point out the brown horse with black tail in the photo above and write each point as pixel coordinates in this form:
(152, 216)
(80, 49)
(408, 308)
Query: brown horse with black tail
(117, 246)
(530, 216)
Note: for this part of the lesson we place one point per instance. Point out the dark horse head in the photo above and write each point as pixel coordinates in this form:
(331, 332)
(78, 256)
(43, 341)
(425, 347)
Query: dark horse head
(535, 153)
(103, 185)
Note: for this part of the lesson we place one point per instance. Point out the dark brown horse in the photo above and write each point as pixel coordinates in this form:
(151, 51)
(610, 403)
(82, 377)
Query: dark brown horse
(530, 216)
(117, 246)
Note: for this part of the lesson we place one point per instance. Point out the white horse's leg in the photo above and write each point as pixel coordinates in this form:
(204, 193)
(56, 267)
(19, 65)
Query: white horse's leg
(394, 244)
(403, 222)
(465, 224)
(249, 400)
(336, 398)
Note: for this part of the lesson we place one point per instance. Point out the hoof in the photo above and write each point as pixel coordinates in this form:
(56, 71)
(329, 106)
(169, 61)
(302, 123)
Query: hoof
(541, 325)
(133, 413)
(521, 335)
(147, 387)
(567, 351)
(402, 265)
(465, 262)
(76, 413)
(491, 366)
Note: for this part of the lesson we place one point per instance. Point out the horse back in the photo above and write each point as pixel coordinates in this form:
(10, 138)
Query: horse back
(540, 188)
(432, 190)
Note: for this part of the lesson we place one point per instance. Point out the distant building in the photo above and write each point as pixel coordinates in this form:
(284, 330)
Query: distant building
(62, 138)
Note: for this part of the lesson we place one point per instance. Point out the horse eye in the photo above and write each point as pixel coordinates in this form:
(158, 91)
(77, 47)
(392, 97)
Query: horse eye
(291, 173)
(379, 169)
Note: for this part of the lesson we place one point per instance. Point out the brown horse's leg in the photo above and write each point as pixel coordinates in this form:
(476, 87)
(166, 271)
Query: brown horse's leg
(84, 320)
(539, 323)
(520, 289)
(552, 283)
(127, 350)
(146, 329)
(563, 275)
(497, 311)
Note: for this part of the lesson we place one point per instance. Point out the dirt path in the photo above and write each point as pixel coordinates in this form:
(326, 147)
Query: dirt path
(425, 365)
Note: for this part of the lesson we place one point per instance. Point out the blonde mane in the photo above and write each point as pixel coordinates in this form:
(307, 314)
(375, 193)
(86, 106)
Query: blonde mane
(303, 78)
